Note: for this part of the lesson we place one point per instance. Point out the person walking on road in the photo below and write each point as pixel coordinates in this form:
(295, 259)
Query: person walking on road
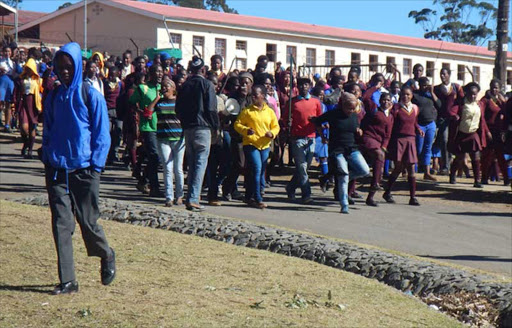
(76, 143)
(196, 107)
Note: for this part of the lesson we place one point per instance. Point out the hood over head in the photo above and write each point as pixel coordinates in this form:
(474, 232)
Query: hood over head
(102, 59)
(73, 50)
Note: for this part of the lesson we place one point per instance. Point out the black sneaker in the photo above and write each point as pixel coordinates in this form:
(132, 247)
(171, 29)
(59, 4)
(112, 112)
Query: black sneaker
(66, 288)
(388, 198)
(108, 269)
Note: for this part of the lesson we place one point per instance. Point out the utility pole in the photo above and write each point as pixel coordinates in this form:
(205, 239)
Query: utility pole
(85, 26)
(500, 63)
(16, 24)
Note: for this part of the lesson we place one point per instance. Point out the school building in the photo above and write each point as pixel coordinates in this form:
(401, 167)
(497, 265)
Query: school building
(117, 25)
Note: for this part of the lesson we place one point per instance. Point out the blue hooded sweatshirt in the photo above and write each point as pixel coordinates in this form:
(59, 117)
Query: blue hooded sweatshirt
(75, 136)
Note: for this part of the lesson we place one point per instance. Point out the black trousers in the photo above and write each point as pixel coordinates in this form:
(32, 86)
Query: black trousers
(75, 194)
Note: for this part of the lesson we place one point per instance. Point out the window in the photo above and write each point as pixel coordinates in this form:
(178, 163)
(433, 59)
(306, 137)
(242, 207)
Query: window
(509, 77)
(446, 65)
(198, 43)
(407, 69)
(176, 40)
(374, 61)
(220, 47)
(241, 45)
(390, 62)
(330, 58)
(241, 63)
(272, 52)
(476, 74)
(310, 56)
(291, 50)
(460, 72)
(355, 58)
(430, 69)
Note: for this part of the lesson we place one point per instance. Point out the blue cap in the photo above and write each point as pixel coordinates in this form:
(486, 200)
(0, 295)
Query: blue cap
(164, 56)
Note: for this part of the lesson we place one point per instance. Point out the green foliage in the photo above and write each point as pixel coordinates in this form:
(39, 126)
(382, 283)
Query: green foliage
(12, 3)
(459, 21)
(64, 5)
(215, 5)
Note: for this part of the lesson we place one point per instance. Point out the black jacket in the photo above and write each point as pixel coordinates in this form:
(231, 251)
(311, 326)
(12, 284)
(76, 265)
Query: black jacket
(196, 104)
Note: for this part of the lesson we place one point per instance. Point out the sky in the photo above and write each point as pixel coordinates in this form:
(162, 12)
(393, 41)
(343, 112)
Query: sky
(385, 16)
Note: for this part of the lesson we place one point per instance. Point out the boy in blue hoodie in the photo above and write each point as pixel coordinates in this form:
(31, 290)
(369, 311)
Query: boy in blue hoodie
(76, 143)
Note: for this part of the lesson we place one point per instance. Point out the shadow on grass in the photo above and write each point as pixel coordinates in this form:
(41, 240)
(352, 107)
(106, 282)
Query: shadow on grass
(42, 289)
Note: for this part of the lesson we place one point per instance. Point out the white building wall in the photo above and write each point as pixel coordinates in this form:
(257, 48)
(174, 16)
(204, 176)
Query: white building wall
(257, 41)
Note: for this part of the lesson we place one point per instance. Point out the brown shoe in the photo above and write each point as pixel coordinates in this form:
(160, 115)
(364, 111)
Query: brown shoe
(214, 203)
(259, 205)
(178, 201)
(429, 177)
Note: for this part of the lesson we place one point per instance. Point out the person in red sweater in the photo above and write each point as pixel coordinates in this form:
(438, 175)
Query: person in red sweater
(377, 126)
(112, 89)
(302, 138)
(448, 93)
(402, 145)
(494, 104)
(470, 132)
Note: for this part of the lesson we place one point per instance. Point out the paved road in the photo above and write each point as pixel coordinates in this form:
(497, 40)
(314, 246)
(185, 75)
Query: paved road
(447, 226)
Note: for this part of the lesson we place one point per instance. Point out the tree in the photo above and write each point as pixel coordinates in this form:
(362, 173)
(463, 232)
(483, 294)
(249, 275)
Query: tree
(11, 3)
(64, 5)
(460, 21)
(215, 5)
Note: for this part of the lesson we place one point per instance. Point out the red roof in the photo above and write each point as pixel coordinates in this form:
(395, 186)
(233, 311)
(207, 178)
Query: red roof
(24, 16)
(301, 28)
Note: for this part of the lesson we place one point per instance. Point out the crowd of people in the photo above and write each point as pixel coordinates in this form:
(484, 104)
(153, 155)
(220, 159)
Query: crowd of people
(218, 125)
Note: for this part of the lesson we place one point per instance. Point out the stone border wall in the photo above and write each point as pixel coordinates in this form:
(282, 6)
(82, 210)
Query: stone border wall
(406, 274)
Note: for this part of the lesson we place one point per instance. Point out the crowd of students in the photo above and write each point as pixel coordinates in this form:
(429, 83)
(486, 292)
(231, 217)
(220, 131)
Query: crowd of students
(240, 123)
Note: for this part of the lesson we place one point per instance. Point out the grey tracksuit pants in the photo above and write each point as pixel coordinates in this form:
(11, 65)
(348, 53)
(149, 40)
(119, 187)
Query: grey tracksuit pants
(73, 194)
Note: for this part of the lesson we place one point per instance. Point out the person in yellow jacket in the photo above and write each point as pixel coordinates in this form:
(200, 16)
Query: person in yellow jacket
(258, 126)
(29, 106)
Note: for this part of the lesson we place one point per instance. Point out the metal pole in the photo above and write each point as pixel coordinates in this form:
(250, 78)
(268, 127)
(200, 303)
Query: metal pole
(292, 61)
(136, 46)
(226, 79)
(500, 63)
(85, 25)
(16, 23)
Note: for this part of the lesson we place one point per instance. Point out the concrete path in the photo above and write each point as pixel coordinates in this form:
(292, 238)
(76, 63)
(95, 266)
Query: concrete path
(454, 223)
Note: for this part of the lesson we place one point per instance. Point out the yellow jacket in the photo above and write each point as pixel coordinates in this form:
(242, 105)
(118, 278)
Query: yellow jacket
(36, 85)
(260, 121)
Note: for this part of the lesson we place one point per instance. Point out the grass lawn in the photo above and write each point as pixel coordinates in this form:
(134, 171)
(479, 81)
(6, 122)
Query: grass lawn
(173, 280)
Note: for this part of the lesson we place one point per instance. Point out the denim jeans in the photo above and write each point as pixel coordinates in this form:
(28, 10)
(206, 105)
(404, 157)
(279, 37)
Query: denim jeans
(302, 150)
(256, 164)
(197, 141)
(348, 168)
(171, 156)
(424, 144)
(151, 150)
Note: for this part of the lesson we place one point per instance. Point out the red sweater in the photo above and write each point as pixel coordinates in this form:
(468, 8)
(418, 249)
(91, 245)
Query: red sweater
(449, 102)
(302, 110)
(405, 124)
(493, 112)
(378, 127)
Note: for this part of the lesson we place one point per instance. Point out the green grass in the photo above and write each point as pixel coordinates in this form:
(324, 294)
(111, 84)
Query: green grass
(173, 280)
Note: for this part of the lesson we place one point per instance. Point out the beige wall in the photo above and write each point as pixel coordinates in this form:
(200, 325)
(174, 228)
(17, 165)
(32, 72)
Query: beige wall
(257, 40)
(109, 30)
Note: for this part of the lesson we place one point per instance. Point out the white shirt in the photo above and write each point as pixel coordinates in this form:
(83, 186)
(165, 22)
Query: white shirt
(470, 118)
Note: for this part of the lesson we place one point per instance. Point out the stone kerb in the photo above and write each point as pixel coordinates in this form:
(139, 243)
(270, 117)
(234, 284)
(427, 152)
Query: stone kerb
(406, 274)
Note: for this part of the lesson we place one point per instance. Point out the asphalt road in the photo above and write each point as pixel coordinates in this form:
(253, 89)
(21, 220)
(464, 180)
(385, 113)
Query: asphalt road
(457, 224)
